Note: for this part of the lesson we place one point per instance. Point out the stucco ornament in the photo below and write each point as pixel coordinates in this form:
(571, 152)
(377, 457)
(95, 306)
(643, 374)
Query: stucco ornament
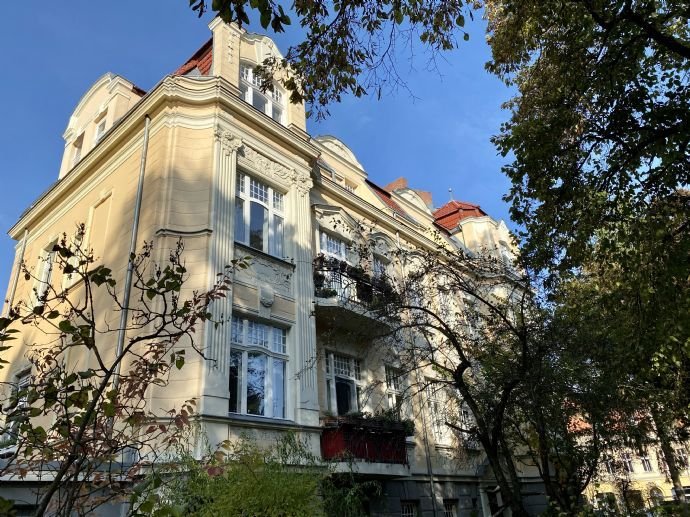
(229, 143)
(303, 183)
(268, 167)
(269, 272)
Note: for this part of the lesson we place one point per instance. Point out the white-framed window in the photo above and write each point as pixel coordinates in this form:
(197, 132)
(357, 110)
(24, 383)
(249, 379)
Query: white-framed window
(100, 131)
(343, 383)
(610, 466)
(77, 246)
(271, 103)
(394, 389)
(437, 405)
(379, 267)
(332, 246)
(76, 149)
(626, 458)
(646, 463)
(450, 508)
(259, 215)
(409, 508)
(11, 429)
(44, 274)
(258, 367)
(681, 458)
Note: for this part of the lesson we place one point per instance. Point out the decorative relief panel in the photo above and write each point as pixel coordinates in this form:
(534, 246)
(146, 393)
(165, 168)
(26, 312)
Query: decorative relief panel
(254, 160)
(263, 271)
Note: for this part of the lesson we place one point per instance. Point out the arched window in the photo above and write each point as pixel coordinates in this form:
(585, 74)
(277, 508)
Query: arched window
(270, 103)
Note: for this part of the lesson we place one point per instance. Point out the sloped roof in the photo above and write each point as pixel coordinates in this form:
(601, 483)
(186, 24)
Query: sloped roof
(387, 199)
(450, 214)
(202, 59)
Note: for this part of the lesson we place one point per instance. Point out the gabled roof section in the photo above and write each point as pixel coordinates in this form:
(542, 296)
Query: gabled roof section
(450, 214)
(201, 60)
(388, 200)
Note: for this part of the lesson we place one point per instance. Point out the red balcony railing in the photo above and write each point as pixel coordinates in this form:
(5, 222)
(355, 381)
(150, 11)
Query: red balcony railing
(364, 439)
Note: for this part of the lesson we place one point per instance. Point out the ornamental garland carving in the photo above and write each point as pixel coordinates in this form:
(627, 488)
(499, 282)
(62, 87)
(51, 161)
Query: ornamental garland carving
(267, 166)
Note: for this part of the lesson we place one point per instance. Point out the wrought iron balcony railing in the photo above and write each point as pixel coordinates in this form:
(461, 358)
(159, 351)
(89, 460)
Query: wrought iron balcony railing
(350, 284)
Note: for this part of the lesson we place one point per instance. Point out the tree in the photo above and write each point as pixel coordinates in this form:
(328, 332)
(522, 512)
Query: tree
(349, 46)
(80, 419)
(470, 328)
(599, 129)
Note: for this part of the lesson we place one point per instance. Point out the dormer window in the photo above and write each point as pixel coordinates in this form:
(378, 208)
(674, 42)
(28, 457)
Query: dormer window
(270, 103)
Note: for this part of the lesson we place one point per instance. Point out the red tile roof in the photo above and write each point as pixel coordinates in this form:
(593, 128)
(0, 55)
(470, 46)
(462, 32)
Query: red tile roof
(202, 60)
(450, 214)
(386, 197)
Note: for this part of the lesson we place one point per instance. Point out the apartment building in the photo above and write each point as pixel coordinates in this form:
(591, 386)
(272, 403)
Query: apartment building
(233, 172)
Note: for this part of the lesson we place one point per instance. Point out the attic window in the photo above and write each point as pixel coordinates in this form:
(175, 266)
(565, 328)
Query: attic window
(272, 103)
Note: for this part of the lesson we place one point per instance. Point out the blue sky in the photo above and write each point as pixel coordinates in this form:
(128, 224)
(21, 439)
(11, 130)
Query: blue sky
(438, 139)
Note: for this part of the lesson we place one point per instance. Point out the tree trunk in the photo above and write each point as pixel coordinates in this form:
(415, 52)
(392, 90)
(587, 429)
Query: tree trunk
(669, 455)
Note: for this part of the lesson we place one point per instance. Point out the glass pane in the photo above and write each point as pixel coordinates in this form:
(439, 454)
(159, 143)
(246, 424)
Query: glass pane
(258, 191)
(258, 221)
(277, 114)
(236, 330)
(278, 201)
(278, 388)
(277, 236)
(279, 338)
(239, 187)
(257, 334)
(256, 383)
(235, 382)
(239, 220)
(244, 92)
(258, 101)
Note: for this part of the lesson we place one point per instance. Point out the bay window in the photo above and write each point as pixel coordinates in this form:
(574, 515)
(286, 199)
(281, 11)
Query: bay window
(272, 103)
(259, 215)
(258, 367)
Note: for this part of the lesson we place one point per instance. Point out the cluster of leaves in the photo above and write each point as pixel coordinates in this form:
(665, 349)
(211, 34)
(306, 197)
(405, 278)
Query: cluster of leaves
(82, 417)
(242, 477)
(349, 46)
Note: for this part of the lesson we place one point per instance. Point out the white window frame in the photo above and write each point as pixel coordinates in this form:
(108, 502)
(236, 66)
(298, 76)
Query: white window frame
(247, 337)
(395, 387)
(250, 87)
(274, 203)
(100, 131)
(44, 277)
(353, 375)
(77, 147)
(682, 458)
(328, 241)
(436, 403)
(626, 459)
(22, 381)
(646, 463)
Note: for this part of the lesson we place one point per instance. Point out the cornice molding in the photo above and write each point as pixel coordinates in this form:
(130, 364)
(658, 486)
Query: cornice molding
(172, 90)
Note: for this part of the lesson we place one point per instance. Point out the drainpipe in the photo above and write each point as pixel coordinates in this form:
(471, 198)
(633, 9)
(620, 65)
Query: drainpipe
(425, 434)
(132, 250)
(15, 280)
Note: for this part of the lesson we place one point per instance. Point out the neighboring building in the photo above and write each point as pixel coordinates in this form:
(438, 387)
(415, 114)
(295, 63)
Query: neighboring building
(628, 481)
(233, 172)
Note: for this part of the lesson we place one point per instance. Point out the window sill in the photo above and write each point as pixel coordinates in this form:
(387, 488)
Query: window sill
(283, 261)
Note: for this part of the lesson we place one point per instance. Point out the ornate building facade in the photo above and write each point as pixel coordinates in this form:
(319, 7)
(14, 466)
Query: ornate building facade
(232, 171)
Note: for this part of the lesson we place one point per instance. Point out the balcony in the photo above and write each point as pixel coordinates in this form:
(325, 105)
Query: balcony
(341, 286)
(373, 440)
